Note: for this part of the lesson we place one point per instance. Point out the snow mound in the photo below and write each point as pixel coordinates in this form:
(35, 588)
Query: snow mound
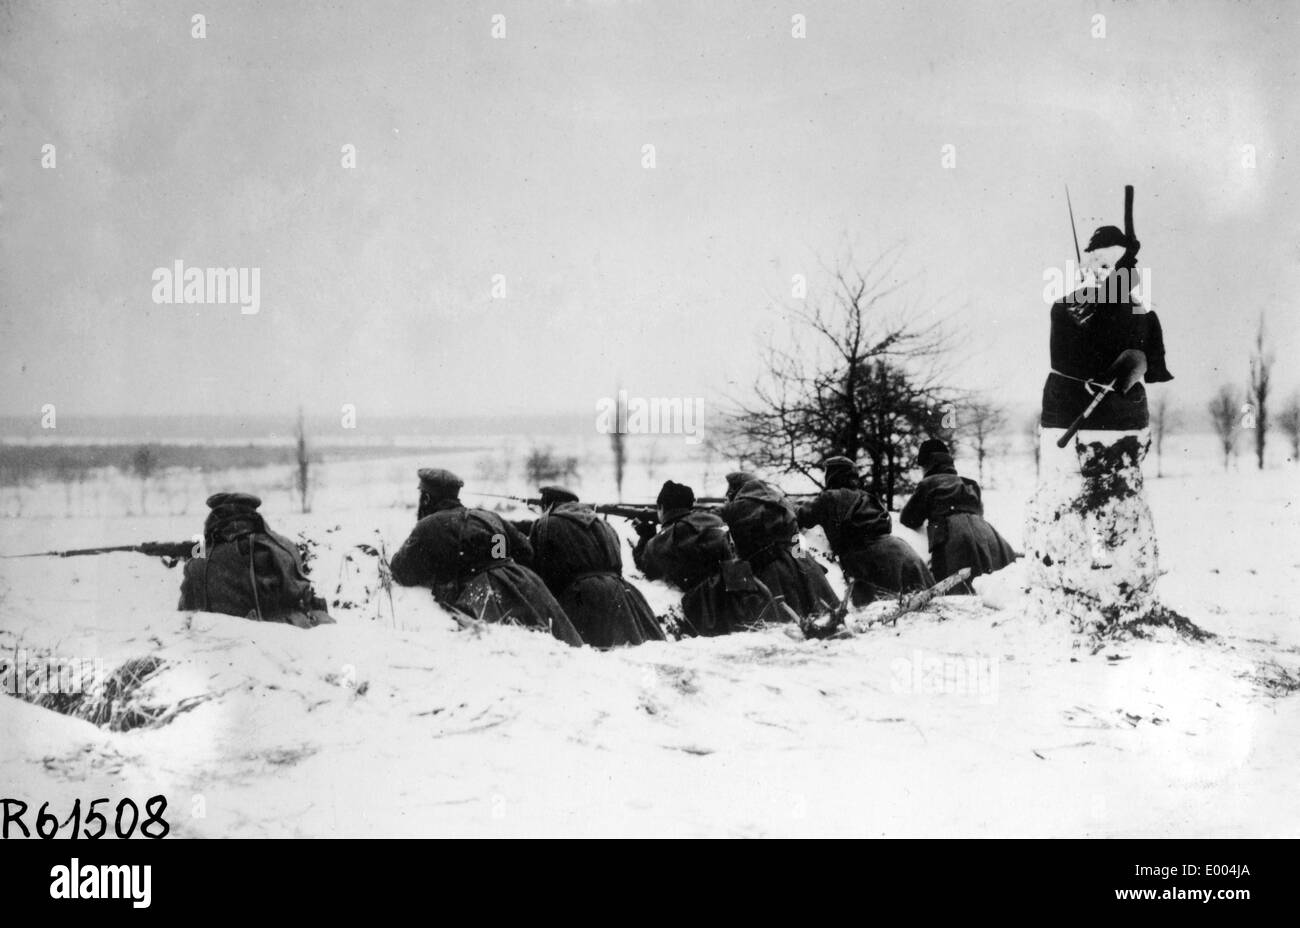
(1005, 588)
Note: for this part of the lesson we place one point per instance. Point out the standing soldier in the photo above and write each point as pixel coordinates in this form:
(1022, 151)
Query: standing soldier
(858, 529)
(951, 504)
(693, 552)
(1090, 543)
(765, 530)
(576, 553)
(475, 562)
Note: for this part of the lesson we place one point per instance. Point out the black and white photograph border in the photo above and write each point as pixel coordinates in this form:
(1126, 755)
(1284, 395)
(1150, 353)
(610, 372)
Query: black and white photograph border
(649, 419)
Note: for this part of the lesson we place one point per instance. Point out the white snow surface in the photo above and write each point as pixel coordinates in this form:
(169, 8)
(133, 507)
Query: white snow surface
(967, 719)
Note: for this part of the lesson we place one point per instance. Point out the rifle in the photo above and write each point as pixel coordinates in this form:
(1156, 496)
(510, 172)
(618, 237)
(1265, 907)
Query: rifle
(532, 502)
(614, 509)
(168, 550)
(642, 512)
(712, 501)
(836, 627)
(1079, 419)
(635, 511)
(628, 511)
(1078, 258)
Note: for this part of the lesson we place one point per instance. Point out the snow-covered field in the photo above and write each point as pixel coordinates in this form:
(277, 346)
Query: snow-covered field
(968, 719)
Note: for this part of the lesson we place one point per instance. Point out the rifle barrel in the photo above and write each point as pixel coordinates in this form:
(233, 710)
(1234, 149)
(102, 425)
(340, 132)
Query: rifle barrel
(625, 511)
(176, 549)
(1079, 420)
(517, 499)
(1078, 258)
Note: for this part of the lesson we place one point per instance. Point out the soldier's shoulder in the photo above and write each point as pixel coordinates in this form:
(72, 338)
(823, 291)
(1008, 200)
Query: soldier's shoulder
(573, 512)
(704, 518)
(817, 503)
(284, 542)
(485, 515)
(437, 521)
(657, 544)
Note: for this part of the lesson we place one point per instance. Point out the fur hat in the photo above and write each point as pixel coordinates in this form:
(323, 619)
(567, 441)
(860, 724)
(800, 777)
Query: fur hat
(675, 496)
(737, 479)
(929, 448)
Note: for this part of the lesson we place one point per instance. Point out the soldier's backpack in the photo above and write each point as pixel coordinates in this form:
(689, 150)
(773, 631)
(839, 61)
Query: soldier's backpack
(248, 570)
(733, 599)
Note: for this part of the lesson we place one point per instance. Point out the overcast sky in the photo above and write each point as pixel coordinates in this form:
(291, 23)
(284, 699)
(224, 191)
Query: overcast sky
(522, 156)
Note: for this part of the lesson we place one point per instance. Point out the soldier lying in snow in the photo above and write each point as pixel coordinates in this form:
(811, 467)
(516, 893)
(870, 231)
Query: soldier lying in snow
(693, 552)
(765, 530)
(576, 553)
(249, 570)
(475, 562)
(858, 529)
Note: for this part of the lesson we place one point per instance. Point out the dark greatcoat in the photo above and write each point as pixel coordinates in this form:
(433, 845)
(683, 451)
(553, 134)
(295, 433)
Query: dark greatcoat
(959, 536)
(693, 552)
(765, 528)
(1090, 328)
(475, 562)
(250, 571)
(576, 553)
(858, 529)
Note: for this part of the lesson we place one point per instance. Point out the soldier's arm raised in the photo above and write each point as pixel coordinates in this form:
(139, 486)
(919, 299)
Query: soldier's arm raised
(913, 514)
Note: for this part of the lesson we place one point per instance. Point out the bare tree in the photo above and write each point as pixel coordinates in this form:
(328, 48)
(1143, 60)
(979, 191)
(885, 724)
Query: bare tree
(16, 471)
(1261, 368)
(144, 464)
(1224, 409)
(1288, 421)
(710, 455)
(69, 469)
(302, 474)
(1164, 420)
(618, 442)
(543, 466)
(981, 421)
(861, 382)
(1034, 436)
(652, 459)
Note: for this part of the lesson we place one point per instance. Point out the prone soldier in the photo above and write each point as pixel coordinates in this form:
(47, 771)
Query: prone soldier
(858, 529)
(475, 562)
(693, 551)
(576, 553)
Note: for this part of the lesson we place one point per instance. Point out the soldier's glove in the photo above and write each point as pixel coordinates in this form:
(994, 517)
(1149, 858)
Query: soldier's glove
(1127, 370)
(644, 529)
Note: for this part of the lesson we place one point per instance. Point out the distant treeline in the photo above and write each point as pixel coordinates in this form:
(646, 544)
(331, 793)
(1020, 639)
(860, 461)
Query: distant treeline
(22, 463)
(232, 429)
